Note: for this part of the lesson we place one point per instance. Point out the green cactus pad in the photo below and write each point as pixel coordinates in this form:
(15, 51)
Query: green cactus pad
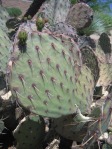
(30, 133)
(5, 46)
(3, 17)
(49, 78)
(5, 43)
(80, 16)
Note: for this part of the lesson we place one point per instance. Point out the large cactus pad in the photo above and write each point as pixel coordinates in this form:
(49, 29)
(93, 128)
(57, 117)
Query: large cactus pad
(49, 78)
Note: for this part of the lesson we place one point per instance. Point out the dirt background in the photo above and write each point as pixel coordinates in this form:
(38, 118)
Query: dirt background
(22, 4)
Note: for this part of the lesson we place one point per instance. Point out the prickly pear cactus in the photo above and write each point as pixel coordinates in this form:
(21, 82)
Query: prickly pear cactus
(105, 77)
(55, 10)
(30, 132)
(72, 127)
(3, 17)
(101, 122)
(100, 54)
(104, 42)
(49, 78)
(80, 16)
(105, 66)
(5, 43)
(90, 60)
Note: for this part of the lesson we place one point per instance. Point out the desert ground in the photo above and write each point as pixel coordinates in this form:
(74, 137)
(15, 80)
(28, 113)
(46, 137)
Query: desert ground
(22, 4)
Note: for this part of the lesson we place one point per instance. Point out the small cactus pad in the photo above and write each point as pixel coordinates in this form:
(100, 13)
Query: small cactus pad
(104, 42)
(80, 16)
(105, 66)
(101, 123)
(100, 54)
(72, 127)
(55, 10)
(30, 133)
(49, 78)
(90, 60)
(105, 77)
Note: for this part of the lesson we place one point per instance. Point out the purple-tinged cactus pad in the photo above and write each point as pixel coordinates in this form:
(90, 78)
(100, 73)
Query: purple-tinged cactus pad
(80, 16)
